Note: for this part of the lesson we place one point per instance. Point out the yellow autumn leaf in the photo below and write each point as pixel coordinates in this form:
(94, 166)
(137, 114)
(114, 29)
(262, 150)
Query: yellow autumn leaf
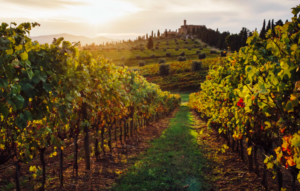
(249, 150)
(62, 148)
(34, 176)
(55, 153)
(293, 97)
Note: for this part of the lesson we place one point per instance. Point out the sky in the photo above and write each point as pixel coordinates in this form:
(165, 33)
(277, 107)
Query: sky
(124, 19)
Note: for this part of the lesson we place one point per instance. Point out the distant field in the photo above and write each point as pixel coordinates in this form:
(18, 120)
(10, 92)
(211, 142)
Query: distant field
(121, 54)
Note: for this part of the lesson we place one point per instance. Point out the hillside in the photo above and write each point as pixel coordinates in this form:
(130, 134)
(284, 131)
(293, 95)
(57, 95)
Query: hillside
(72, 38)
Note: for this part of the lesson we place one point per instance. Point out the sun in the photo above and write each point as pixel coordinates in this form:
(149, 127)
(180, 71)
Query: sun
(100, 12)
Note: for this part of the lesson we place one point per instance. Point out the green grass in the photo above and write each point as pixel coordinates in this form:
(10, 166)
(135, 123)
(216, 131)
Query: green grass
(185, 97)
(173, 161)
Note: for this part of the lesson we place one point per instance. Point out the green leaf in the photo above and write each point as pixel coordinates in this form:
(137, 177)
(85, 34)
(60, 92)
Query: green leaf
(4, 110)
(30, 73)
(289, 107)
(47, 87)
(18, 101)
(3, 83)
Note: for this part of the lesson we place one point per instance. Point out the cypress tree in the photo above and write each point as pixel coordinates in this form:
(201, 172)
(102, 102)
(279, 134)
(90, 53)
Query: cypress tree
(263, 31)
(150, 43)
(279, 22)
(152, 34)
(273, 27)
(158, 33)
(268, 26)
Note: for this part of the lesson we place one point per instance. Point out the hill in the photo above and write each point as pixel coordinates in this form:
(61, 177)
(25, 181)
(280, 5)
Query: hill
(72, 38)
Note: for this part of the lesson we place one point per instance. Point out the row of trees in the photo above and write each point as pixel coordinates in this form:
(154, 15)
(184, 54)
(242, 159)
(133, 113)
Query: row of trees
(234, 41)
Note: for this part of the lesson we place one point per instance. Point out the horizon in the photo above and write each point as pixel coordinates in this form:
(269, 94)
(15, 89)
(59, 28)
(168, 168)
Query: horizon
(127, 19)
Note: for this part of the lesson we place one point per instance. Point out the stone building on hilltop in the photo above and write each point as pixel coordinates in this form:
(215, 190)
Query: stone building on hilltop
(185, 28)
(170, 33)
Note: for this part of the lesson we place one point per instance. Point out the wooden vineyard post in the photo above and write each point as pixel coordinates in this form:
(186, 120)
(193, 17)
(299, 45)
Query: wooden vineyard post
(116, 132)
(42, 151)
(102, 139)
(96, 144)
(264, 181)
(17, 172)
(109, 141)
(131, 127)
(279, 178)
(121, 128)
(233, 143)
(125, 126)
(255, 160)
(294, 173)
(86, 135)
(75, 154)
(242, 150)
(250, 157)
(61, 176)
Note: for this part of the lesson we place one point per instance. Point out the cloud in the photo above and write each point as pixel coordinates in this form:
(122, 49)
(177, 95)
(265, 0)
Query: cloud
(46, 4)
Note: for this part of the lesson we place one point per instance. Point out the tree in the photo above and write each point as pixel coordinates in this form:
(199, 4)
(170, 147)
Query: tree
(262, 33)
(268, 26)
(158, 33)
(273, 27)
(279, 22)
(150, 43)
(166, 33)
(147, 36)
(152, 34)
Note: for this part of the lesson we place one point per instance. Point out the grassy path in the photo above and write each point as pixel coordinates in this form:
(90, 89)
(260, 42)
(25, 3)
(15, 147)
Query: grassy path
(174, 161)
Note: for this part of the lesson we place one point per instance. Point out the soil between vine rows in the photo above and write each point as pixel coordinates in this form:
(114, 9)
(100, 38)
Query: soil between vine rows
(219, 171)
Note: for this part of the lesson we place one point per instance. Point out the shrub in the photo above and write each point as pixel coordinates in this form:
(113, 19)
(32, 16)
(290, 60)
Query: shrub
(196, 65)
(223, 53)
(177, 43)
(202, 56)
(186, 42)
(162, 61)
(152, 49)
(200, 48)
(213, 51)
(176, 49)
(205, 46)
(182, 54)
(168, 47)
(137, 56)
(157, 47)
(141, 49)
(198, 52)
(164, 69)
(141, 63)
(168, 54)
(164, 49)
(195, 46)
(189, 48)
(181, 58)
(152, 56)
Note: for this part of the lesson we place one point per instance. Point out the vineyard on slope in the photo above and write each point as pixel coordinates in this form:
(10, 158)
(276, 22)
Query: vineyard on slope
(49, 93)
(253, 95)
